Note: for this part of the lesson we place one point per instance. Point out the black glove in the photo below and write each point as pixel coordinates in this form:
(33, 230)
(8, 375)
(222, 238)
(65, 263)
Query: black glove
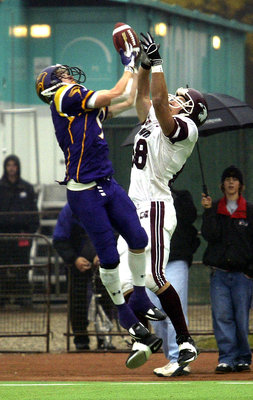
(145, 62)
(151, 49)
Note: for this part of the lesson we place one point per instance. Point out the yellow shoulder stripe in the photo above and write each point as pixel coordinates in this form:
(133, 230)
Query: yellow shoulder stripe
(58, 98)
(84, 101)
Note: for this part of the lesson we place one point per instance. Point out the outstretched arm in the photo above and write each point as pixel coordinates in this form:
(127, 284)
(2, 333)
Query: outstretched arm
(107, 97)
(159, 91)
(128, 98)
(143, 102)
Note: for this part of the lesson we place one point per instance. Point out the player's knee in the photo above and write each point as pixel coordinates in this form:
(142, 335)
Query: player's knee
(150, 283)
(110, 265)
(139, 240)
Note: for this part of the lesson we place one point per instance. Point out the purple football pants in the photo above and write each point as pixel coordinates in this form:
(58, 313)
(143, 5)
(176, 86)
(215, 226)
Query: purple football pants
(103, 211)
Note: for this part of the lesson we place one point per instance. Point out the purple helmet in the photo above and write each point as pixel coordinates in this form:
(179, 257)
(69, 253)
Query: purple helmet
(194, 107)
(49, 80)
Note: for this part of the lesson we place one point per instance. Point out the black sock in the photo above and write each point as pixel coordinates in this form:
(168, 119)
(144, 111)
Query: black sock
(171, 304)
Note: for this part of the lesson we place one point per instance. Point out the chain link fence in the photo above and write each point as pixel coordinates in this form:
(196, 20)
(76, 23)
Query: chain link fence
(24, 302)
(35, 290)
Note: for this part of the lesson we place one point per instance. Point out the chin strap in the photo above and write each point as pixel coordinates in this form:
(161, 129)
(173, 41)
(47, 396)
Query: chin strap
(51, 91)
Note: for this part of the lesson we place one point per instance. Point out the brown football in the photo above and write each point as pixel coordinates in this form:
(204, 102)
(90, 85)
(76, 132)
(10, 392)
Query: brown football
(124, 33)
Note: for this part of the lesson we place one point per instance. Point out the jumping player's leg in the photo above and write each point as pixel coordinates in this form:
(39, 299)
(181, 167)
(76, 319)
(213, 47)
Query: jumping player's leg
(90, 207)
(177, 274)
(159, 221)
(124, 218)
(126, 278)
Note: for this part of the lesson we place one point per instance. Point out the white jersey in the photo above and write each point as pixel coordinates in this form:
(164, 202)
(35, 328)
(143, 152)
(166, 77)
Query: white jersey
(157, 159)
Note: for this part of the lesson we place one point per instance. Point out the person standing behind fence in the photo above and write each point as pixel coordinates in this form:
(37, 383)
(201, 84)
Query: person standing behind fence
(227, 226)
(76, 249)
(16, 196)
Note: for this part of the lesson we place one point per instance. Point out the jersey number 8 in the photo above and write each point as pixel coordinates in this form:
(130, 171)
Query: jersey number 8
(140, 154)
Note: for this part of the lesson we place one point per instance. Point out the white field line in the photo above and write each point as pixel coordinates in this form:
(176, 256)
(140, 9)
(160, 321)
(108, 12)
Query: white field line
(122, 383)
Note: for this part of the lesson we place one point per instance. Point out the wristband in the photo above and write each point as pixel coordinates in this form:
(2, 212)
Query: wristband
(129, 69)
(156, 68)
(145, 66)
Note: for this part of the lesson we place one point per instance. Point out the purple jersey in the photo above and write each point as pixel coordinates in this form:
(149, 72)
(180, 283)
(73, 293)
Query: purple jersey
(80, 135)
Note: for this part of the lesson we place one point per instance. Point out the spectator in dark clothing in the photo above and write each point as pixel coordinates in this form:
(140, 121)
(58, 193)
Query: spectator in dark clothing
(185, 241)
(183, 245)
(228, 228)
(74, 246)
(17, 199)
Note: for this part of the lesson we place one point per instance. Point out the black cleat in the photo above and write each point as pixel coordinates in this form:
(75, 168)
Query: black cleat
(145, 344)
(154, 314)
(142, 335)
(145, 307)
(138, 331)
(139, 355)
(188, 351)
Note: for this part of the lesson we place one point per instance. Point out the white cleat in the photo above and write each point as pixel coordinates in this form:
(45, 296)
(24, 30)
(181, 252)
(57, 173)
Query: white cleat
(172, 369)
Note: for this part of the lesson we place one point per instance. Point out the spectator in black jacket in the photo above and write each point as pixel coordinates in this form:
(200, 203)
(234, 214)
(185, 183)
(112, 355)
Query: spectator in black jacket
(228, 228)
(76, 249)
(18, 201)
(184, 243)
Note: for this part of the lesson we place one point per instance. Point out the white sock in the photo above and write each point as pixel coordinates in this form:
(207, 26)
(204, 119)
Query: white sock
(111, 281)
(137, 265)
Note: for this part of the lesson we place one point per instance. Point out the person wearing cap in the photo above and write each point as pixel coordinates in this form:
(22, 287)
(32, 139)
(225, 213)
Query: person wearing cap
(227, 226)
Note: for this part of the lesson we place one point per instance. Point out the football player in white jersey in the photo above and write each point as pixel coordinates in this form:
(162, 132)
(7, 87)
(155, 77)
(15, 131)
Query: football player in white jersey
(165, 140)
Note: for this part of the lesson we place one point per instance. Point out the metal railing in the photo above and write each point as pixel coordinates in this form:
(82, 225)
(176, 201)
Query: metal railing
(26, 297)
(24, 302)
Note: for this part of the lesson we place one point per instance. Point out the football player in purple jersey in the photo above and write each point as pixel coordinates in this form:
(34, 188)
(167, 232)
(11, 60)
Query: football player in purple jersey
(94, 196)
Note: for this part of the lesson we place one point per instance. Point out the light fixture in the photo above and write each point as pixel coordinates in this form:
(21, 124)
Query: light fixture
(40, 31)
(18, 31)
(161, 29)
(216, 42)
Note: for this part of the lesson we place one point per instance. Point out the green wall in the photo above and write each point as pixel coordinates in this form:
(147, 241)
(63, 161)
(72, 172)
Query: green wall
(13, 53)
(82, 36)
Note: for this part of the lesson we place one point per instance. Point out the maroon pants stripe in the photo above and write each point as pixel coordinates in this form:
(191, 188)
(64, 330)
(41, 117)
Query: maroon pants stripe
(157, 213)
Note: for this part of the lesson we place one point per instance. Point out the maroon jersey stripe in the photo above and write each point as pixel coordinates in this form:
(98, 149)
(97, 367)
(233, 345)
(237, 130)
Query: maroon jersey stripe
(183, 131)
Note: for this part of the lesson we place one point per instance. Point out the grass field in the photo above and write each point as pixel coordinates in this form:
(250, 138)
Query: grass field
(196, 390)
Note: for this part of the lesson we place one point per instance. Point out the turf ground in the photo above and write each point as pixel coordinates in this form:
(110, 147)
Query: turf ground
(104, 376)
(197, 390)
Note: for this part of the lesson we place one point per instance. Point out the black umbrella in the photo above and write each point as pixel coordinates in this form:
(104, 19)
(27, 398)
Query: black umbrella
(129, 141)
(225, 113)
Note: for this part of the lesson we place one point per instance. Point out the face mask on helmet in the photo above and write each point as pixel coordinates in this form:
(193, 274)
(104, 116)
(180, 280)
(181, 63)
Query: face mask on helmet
(50, 79)
(194, 106)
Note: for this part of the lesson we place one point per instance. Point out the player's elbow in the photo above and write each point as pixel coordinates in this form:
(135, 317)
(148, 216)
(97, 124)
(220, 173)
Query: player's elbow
(157, 101)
